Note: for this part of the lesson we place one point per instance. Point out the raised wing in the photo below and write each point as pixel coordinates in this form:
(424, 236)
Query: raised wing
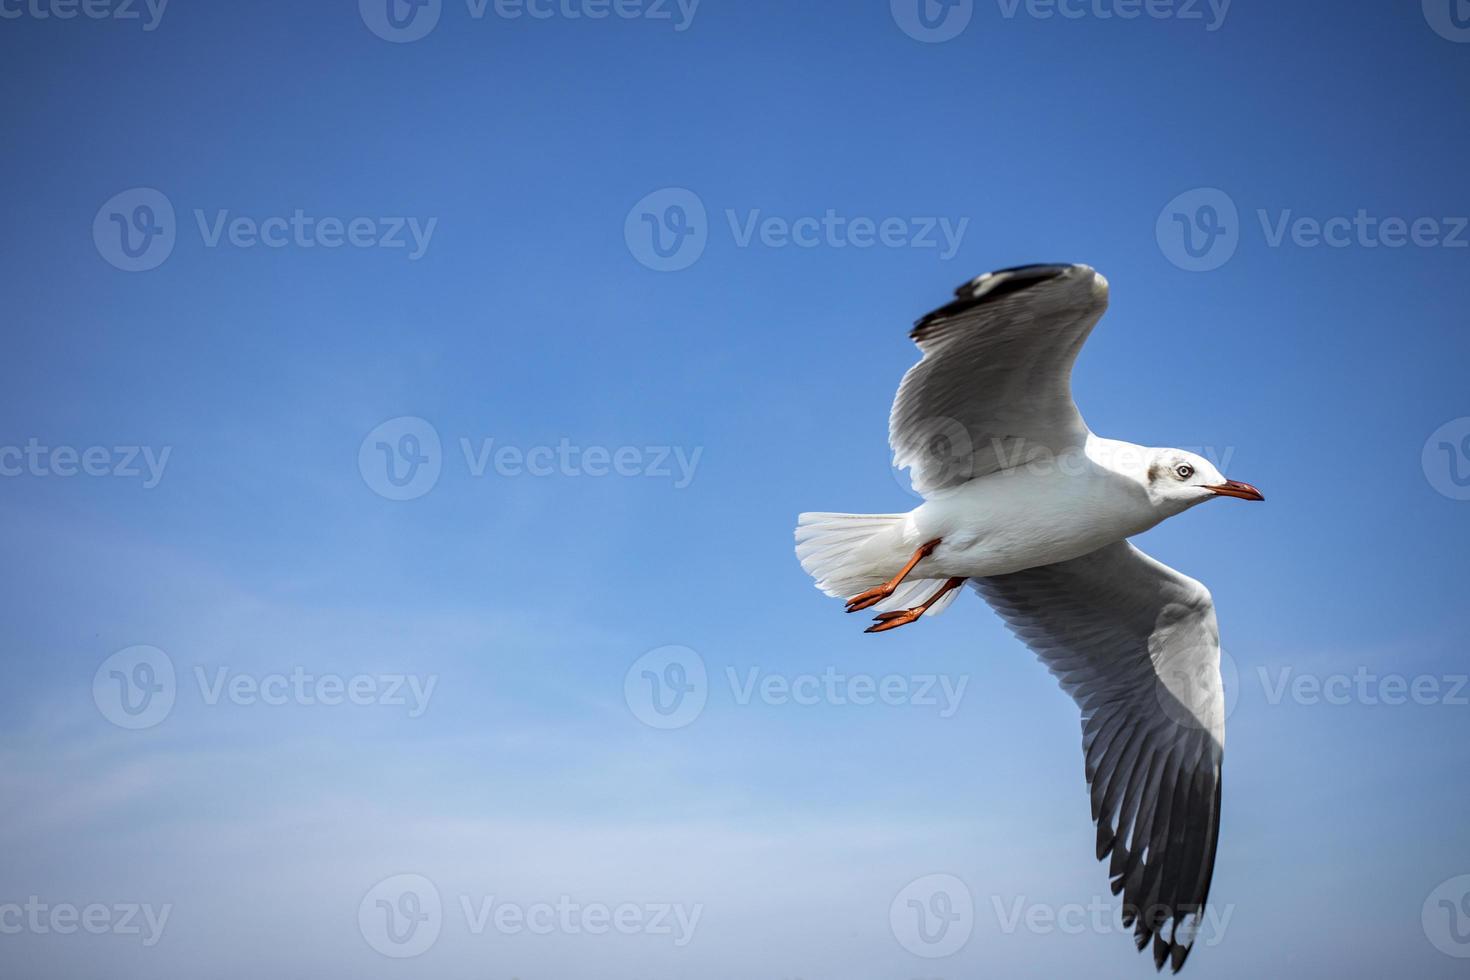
(993, 388)
(1136, 645)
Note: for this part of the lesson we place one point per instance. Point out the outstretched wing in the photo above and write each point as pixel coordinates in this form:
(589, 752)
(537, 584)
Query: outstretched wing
(994, 388)
(1136, 645)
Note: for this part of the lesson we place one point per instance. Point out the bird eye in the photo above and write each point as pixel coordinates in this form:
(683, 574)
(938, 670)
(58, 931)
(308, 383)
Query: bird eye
(1184, 470)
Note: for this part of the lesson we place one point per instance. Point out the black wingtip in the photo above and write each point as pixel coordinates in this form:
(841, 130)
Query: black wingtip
(1179, 954)
(992, 286)
(1058, 267)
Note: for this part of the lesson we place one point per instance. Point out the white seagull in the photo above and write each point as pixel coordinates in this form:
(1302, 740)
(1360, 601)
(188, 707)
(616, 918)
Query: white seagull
(1023, 501)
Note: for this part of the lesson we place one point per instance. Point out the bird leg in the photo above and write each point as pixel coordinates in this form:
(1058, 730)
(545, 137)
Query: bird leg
(902, 617)
(874, 596)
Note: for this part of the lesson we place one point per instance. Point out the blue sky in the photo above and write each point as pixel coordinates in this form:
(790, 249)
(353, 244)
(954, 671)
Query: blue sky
(493, 625)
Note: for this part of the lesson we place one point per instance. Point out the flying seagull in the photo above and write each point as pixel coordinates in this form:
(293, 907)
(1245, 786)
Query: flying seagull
(1025, 503)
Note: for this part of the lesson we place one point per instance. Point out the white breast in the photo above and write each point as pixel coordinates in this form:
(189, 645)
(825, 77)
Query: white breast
(1027, 517)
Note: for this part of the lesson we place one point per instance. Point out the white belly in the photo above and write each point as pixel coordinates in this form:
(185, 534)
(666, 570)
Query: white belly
(1016, 520)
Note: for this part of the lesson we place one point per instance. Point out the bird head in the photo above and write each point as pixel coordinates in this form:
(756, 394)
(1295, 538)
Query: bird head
(1178, 480)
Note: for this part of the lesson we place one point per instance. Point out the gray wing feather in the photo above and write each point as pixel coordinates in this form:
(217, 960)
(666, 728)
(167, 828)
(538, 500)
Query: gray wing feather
(994, 385)
(1136, 645)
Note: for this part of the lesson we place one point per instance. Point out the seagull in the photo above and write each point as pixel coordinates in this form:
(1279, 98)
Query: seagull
(1034, 510)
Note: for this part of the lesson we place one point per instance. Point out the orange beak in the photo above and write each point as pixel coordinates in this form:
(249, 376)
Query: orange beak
(1233, 488)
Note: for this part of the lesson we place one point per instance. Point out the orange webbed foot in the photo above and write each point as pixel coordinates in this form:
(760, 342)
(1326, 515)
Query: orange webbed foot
(893, 620)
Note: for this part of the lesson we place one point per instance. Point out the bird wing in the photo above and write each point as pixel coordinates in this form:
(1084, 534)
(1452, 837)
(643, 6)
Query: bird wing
(1136, 645)
(993, 388)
